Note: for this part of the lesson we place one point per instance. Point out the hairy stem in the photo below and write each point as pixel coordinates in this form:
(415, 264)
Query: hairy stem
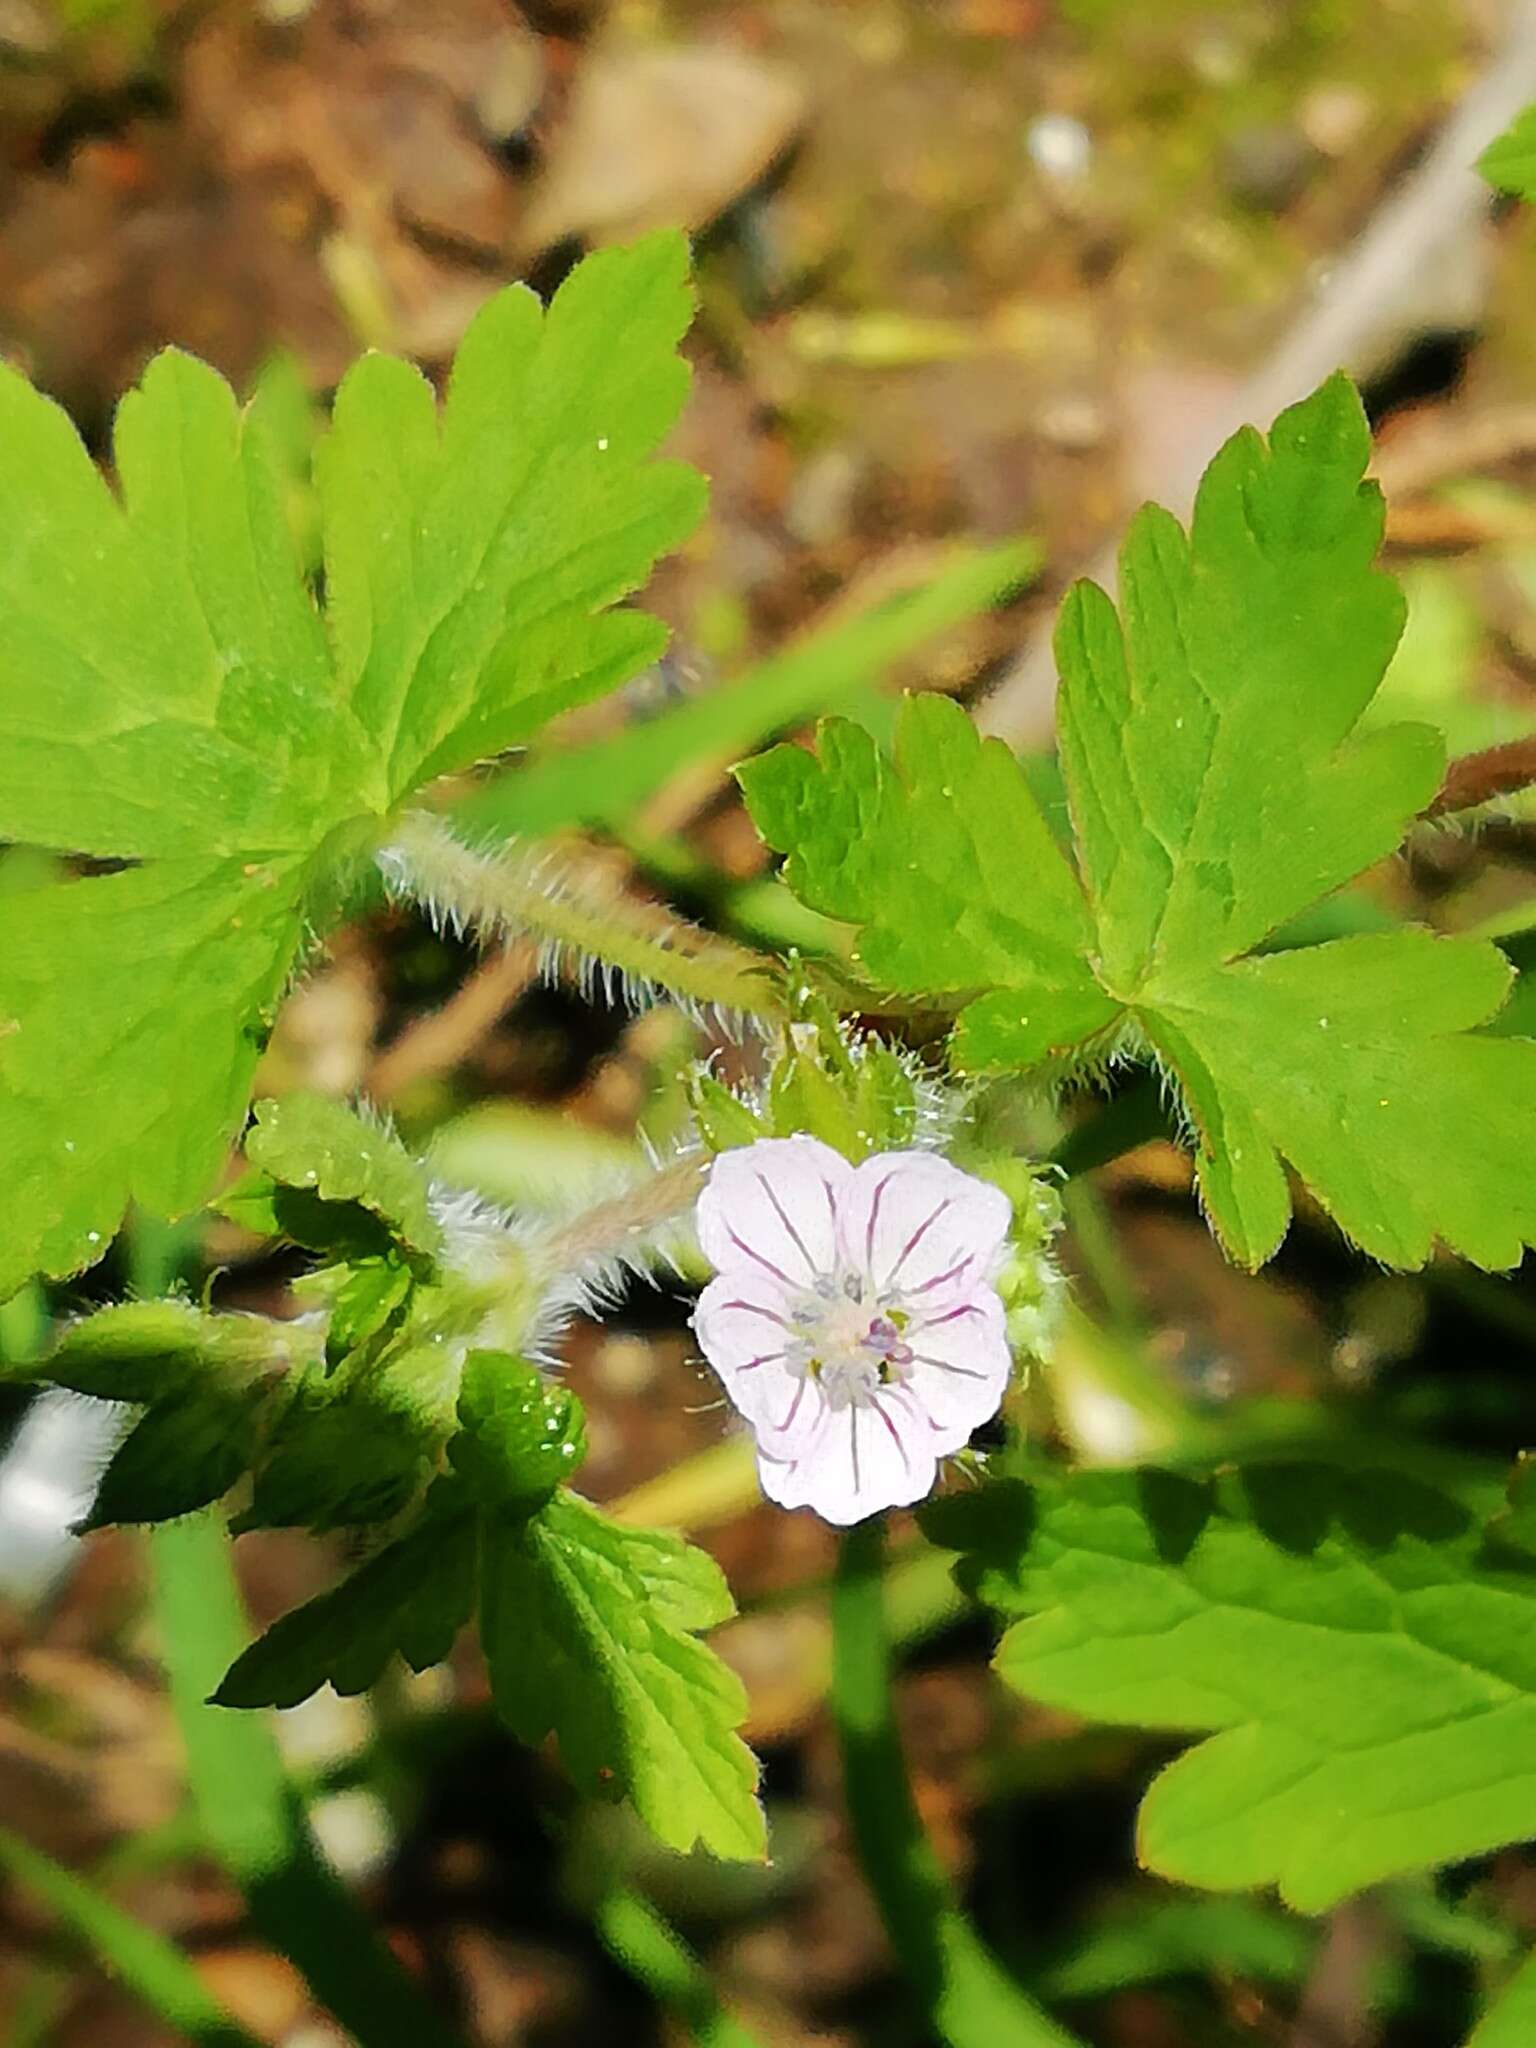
(576, 909)
(620, 1225)
(971, 2000)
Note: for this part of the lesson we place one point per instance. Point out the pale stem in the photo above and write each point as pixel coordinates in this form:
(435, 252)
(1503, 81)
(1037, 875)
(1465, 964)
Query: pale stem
(577, 909)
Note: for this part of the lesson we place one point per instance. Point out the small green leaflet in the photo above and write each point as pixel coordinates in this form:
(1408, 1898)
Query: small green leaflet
(315, 1146)
(410, 1599)
(1218, 786)
(589, 1628)
(356, 1443)
(522, 1434)
(172, 697)
(1509, 164)
(1367, 1664)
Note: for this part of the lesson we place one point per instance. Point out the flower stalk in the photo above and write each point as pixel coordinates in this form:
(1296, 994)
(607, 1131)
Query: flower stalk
(970, 1999)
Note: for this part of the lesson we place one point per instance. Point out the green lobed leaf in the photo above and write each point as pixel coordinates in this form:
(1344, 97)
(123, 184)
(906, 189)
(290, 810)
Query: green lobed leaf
(171, 694)
(1365, 1662)
(1218, 787)
(589, 1631)
(939, 853)
(132, 1008)
(468, 554)
(356, 1445)
(1509, 164)
(316, 1145)
(521, 1435)
(367, 1306)
(185, 1452)
(604, 782)
(410, 1599)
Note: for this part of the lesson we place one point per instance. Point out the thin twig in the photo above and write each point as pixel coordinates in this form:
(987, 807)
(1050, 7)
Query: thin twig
(434, 1043)
(1335, 2009)
(1453, 443)
(1478, 778)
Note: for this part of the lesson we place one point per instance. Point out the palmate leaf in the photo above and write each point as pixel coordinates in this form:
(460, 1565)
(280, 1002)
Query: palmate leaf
(1366, 1661)
(1509, 164)
(172, 696)
(589, 1630)
(1218, 786)
(409, 1600)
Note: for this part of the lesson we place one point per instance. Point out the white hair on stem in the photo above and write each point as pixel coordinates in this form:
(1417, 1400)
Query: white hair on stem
(583, 922)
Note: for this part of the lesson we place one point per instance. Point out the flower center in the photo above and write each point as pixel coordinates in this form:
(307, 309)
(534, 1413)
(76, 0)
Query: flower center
(849, 1344)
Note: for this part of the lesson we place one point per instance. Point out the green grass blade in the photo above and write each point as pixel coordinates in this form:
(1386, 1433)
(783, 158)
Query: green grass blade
(603, 784)
(1511, 2021)
(971, 2000)
(636, 1936)
(145, 1962)
(250, 1816)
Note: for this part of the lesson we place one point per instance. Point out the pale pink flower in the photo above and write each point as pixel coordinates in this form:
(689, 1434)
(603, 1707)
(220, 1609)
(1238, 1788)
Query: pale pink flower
(852, 1318)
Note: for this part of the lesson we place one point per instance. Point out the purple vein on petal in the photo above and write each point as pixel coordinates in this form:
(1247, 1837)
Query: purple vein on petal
(767, 1264)
(950, 1315)
(918, 1413)
(943, 1365)
(939, 1279)
(779, 1211)
(895, 1433)
(916, 1239)
(755, 1308)
(794, 1409)
(874, 1217)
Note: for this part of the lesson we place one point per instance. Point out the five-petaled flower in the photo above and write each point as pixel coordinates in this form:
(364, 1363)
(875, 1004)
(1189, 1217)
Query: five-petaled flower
(852, 1318)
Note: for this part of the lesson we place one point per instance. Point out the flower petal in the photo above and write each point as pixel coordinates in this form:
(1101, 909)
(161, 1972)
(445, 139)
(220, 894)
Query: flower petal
(743, 1328)
(961, 1365)
(921, 1228)
(769, 1207)
(861, 1460)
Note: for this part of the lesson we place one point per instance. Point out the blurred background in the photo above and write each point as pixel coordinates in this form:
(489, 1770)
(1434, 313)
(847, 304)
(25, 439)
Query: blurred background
(969, 270)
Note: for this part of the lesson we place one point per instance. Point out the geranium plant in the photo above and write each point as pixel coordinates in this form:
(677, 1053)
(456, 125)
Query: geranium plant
(225, 751)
